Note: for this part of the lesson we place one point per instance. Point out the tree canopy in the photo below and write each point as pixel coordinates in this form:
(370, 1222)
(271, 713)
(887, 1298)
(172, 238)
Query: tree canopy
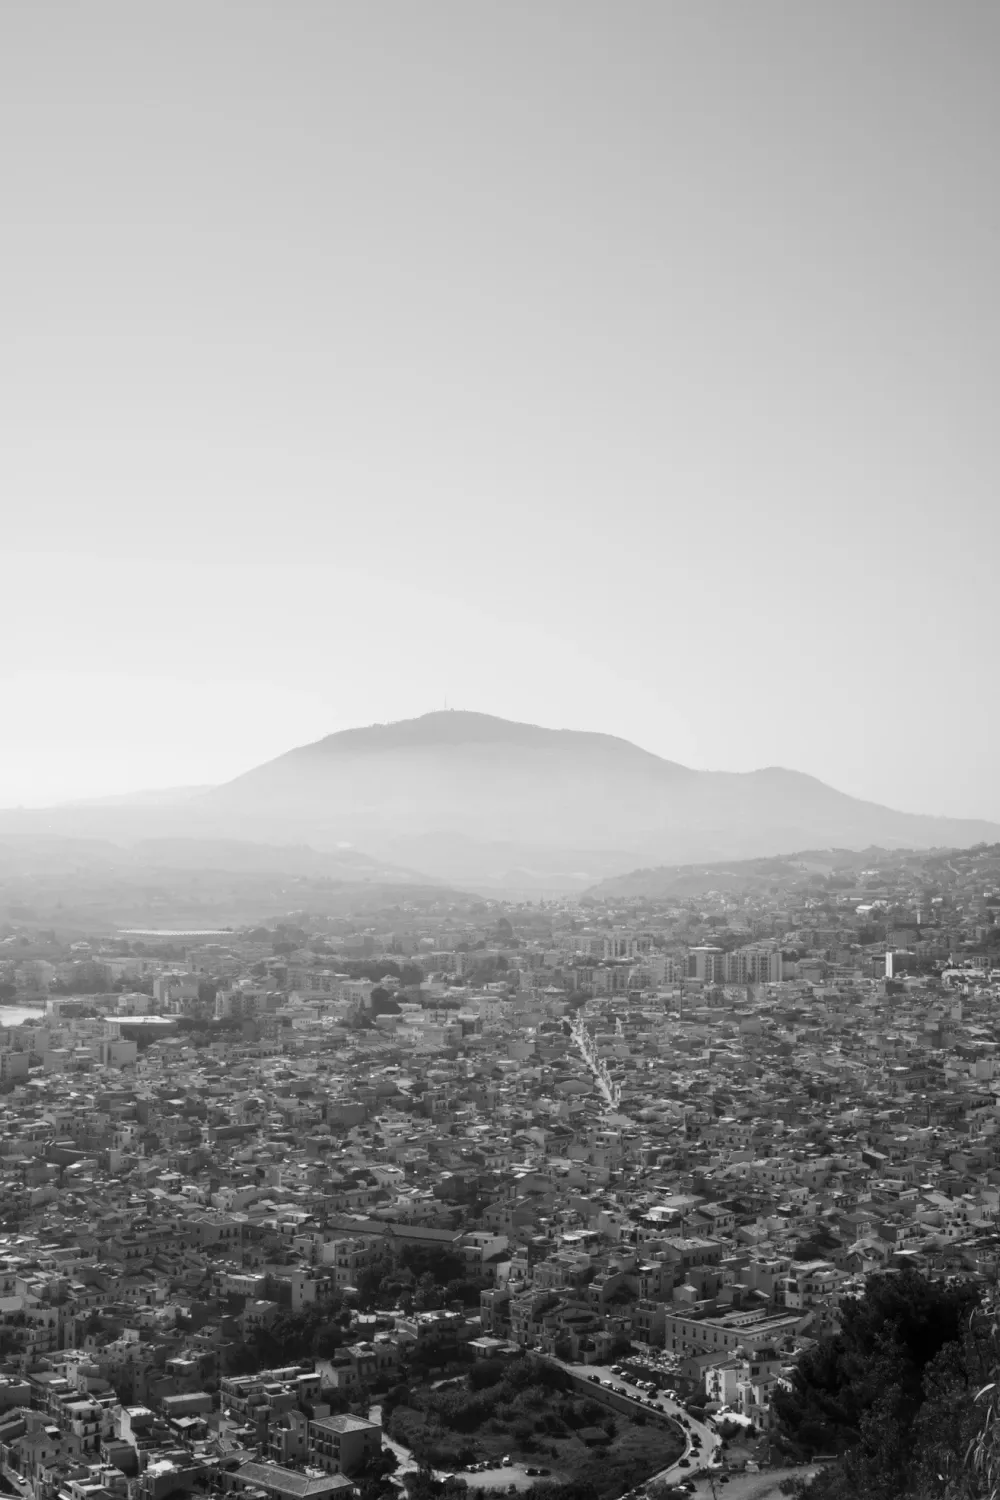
(892, 1392)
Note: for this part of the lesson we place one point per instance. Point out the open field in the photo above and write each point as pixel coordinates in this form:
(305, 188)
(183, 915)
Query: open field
(535, 1414)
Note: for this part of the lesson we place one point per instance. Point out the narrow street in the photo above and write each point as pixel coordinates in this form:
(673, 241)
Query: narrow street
(586, 1049)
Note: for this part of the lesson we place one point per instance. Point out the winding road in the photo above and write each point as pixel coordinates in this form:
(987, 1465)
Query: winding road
(689, 1461)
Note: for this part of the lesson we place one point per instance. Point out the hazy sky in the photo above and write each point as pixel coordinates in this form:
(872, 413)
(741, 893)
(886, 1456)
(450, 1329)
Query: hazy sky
(624, 366)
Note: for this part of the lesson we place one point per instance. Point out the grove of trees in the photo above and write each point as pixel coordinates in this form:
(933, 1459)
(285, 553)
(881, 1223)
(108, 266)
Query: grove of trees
(894, 1394)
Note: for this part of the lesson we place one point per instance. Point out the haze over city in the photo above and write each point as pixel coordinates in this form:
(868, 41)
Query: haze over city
(499, 814)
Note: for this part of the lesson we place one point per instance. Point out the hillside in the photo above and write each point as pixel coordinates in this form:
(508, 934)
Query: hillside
(94, 885)
(471, 798)
(787, 873)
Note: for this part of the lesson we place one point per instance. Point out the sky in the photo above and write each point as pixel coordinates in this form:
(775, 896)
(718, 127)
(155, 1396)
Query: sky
(626, 366)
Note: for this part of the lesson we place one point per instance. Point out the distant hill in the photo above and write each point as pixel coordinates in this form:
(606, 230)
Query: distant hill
(744, 877)
(855, 874)
(480, 803)
(480, 800)
(92, 885)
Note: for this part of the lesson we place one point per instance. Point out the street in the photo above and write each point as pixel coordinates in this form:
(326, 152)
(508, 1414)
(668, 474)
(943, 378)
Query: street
(711, 1443)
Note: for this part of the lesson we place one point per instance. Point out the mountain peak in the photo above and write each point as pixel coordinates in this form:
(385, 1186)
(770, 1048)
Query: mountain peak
(454, 726)
(487, 802)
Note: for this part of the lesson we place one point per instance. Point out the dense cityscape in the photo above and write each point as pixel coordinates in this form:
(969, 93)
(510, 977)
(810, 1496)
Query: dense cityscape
(499, 815)
(467, 1193)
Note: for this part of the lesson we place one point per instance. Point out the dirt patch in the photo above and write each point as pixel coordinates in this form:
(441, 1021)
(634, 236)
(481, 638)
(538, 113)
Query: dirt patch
(764, 1486)
(633, 1454)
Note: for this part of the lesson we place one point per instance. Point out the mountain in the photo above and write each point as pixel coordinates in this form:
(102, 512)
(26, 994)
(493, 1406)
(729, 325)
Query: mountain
(479, 800)
(89, 884)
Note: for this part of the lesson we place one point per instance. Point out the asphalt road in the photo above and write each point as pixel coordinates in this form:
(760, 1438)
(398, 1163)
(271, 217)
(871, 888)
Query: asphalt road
(741, 1487)
(711, 1443)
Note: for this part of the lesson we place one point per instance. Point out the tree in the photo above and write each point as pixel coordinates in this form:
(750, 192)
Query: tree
(382, 1003)
(817, 1247)
(368, 1281)
(327, 1339)
(373, 1478)
(884, 1389)
(242, 1359)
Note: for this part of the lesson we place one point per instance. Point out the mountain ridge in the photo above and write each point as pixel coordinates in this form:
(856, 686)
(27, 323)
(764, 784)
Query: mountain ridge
(498, 806)
(493, 803)
(455, 727)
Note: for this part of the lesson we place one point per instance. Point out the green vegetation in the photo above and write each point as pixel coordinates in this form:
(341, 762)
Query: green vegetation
(317, 1331)
(427, 1278)
(894, 1394)
(818, 1246)
(531, 1410)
